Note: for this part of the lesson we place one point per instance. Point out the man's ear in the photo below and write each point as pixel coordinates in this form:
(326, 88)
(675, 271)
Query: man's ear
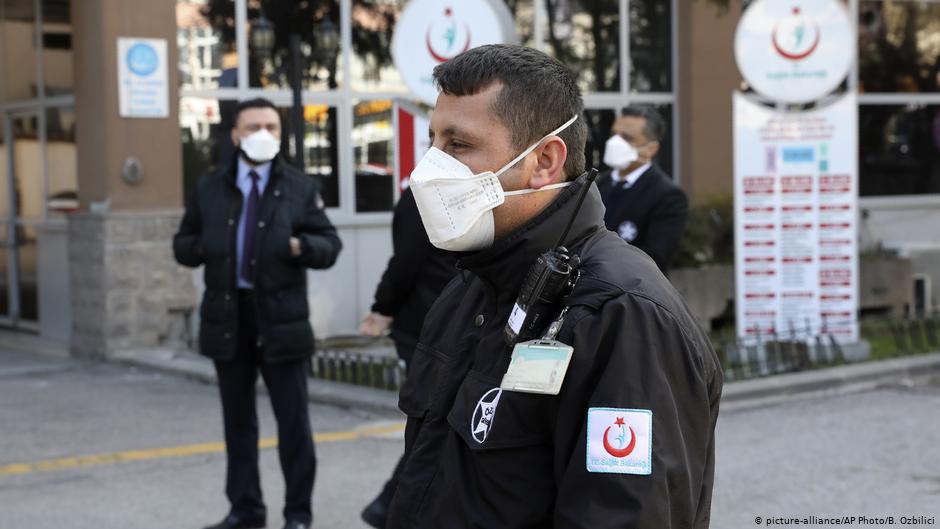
(653, 149)
(234, 137)
(550, 168)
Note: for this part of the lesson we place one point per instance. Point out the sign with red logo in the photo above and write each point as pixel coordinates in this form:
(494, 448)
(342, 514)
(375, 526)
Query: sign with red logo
(620, 441)
(796, 258)
(795, 51)
(430, 32)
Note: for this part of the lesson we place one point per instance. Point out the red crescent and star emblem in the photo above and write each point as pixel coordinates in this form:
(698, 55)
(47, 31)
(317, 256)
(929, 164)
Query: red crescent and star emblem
(626, 450)
(799, 34)
(450, 34)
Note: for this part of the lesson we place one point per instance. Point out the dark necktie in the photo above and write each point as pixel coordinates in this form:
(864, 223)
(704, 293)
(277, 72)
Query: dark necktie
(248, 235)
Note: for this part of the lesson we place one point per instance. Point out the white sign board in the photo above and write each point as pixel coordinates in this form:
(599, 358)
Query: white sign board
(143, 85)
(795, 52)
(796, 202)
(430, 32)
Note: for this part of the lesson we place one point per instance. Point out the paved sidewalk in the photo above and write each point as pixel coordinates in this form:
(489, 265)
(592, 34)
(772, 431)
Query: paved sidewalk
(841, 380)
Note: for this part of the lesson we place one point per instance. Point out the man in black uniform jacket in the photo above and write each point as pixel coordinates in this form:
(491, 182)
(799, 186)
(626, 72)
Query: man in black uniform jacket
(257, 226)
(629, 440)
(643, 205)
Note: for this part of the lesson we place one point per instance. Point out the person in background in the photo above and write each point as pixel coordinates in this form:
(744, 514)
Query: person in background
(415, 275)
(643, 205)
(257, 226)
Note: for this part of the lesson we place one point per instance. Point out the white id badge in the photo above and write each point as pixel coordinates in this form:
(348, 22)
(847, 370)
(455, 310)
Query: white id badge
(537, 366)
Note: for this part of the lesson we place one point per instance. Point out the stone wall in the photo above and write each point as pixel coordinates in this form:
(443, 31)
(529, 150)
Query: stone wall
(127, 292)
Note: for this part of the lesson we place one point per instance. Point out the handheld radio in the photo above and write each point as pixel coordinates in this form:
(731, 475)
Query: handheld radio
(550, 279)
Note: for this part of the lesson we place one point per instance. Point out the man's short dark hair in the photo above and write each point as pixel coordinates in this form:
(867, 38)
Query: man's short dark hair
(257, 102)
(538, 94)
(655, 127)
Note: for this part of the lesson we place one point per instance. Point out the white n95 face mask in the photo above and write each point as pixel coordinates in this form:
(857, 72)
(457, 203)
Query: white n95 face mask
(618, 153)
(456, 206)
(260, 146)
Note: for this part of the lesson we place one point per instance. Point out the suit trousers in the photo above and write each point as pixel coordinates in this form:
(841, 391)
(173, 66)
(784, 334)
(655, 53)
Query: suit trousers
(287, 388)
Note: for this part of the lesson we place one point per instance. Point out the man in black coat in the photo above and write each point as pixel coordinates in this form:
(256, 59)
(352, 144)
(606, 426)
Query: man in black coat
(643, 205)
(256, 227)
(414, 277)
(608, 423)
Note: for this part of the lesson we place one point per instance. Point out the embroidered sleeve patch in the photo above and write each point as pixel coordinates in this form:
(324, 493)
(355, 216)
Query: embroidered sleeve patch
(619, 441)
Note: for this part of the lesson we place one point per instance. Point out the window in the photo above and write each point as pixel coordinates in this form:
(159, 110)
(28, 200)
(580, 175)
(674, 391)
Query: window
(205, 37)
(18, 79)
(898, 47)
(899, 149)
(373, 156)
(650, 46)
(585, 36)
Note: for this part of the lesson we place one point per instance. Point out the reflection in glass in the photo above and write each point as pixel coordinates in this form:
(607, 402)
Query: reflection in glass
(313, 26)
(28, 272)
(585, 36)
(321, 154)
(57, 59)
(202, 124)
(899, 150)
(373, 156)
(17, 52)
(650, 46)
(373, 24)
(61, 161)
(27, 169)
(205, 38)
(599, 123)
(898, 46)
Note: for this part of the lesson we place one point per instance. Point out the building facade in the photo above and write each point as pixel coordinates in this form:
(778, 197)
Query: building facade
(84, 253)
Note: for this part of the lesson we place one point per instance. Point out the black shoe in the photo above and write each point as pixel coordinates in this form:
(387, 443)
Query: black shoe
(234, 522)
(294, 524)
(376, 513)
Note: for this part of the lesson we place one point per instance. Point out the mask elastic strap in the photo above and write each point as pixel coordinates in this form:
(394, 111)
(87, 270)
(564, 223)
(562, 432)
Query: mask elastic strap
(543, 188)
(536, 144)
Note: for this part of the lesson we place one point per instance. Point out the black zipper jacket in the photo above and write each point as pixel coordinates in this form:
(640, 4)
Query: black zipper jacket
(290, 207)
(636, 347)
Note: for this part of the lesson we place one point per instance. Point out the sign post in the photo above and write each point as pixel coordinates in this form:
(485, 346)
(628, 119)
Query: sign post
(796, 174)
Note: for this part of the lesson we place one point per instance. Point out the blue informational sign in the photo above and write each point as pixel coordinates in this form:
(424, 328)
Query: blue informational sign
(143, 81)
(142, 59)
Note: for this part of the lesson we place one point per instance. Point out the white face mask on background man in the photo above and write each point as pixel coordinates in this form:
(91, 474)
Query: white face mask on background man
(618, 153)
(260, 146)
(456, 205)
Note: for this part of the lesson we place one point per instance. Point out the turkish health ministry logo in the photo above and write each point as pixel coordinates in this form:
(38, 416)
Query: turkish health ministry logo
(430, 32)
(620, 441)
(446, 38)
(622, 448)
(795, 38)
(793, 51)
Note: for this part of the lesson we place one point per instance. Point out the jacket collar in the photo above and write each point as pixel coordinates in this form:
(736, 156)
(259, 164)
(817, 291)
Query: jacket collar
(231, 170)
(505, 264)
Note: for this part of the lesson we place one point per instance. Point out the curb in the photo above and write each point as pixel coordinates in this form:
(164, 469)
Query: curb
(842, 380)
(191, 366)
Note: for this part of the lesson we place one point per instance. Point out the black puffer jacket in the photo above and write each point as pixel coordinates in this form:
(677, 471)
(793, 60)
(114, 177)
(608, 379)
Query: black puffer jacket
(416, 274)
(290, 207)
